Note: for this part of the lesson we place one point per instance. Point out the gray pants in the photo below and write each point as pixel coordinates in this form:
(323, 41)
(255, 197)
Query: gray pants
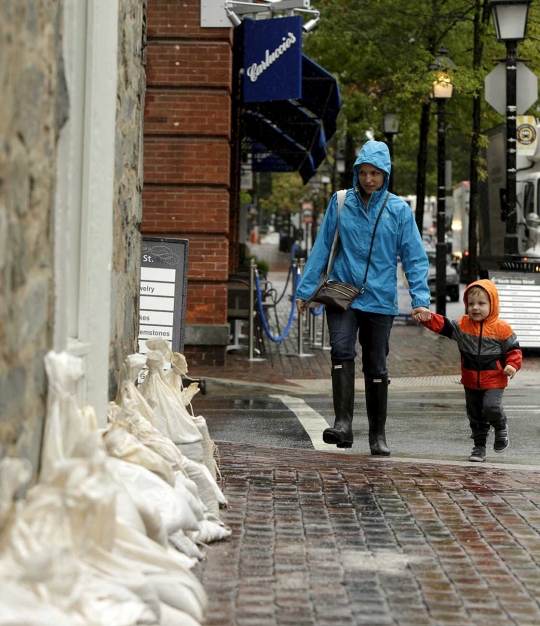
(484, 409)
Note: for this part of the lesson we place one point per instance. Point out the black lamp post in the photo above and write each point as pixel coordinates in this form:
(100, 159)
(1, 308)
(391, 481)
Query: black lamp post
(442, 91)
(510, 17)
(390, 129)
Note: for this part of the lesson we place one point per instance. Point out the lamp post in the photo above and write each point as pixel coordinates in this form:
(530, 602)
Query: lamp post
(442, 91)
(390, 129)
(510, 17)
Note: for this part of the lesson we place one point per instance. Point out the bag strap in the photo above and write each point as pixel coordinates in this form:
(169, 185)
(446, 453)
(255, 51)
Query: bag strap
(362, 288)
(324, 274)
(340, 202)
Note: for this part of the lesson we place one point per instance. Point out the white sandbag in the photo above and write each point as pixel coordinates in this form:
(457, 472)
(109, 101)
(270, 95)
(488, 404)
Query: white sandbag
(141, 483)
(153, 522)
(172, 419)
(127, 512)
(197, 505)
(209, 492)
(179, 597)
(193, 451)
(151, 557)
(174, 617)
(185, 544)
(210, 531)
(14, 474)
(174, 378)
(20, 607)
(142, 428)
(64, 426)
(123, 445)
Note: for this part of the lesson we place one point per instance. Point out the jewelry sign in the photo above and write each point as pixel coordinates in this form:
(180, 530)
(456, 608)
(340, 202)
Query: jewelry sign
(163, 287)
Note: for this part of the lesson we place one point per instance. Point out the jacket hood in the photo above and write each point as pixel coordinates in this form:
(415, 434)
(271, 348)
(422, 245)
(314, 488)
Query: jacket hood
(493, 294)
(376, 153)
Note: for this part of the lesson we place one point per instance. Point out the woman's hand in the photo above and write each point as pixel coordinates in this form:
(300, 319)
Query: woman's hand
(421, 314)
(301, 306)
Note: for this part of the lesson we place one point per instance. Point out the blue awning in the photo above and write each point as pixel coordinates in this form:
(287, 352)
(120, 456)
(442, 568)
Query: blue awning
(276, 142)
(295, 131)
(320, 94)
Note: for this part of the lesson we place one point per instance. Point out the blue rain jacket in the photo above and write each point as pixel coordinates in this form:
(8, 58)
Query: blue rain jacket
(397, 236)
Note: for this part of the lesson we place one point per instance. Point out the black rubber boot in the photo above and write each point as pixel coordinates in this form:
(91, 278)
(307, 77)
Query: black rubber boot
(343, 393)
(376, 405)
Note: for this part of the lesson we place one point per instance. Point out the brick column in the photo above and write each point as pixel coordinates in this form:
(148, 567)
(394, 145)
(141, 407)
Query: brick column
(187, 163)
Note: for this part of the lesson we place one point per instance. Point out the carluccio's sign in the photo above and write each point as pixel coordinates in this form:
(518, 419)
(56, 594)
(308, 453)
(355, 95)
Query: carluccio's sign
(272, 59)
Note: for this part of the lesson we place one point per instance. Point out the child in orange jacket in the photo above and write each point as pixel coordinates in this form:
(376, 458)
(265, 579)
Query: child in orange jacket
(490, 355)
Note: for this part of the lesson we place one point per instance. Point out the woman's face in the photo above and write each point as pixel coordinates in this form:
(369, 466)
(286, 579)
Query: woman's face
(371, 178)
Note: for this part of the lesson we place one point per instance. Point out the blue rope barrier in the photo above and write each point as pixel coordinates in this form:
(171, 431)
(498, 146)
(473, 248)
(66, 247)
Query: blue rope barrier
(286, 285)
(318, 311)
(263, 316)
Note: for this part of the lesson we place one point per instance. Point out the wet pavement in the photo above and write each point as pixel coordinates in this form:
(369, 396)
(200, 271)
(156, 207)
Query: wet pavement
(322, 538)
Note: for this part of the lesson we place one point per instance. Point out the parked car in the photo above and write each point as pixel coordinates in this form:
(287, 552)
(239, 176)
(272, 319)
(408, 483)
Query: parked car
(452, 277)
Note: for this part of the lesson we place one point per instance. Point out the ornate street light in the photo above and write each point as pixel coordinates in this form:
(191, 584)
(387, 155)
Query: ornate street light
(442, 91)
(510, 17)
(390, 129)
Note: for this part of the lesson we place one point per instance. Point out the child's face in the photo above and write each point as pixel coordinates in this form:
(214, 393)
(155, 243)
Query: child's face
(478, 305)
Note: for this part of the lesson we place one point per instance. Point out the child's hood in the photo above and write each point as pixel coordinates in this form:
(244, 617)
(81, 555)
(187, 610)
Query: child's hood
(493, 294)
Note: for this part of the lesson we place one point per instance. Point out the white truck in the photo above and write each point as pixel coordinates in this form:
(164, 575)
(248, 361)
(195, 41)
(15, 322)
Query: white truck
(518, 276)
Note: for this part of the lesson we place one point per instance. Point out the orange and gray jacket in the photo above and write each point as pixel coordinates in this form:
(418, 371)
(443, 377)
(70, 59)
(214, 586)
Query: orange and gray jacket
(486, 347)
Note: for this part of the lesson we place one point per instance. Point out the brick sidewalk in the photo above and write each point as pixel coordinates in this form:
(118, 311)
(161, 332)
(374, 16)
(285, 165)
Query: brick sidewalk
(322, 539)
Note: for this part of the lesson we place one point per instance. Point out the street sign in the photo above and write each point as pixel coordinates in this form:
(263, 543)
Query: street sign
(527, 88)
(162, 300)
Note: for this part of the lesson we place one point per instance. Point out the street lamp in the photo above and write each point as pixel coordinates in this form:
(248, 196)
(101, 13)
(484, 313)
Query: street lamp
(442, 91)
(510, 17)
(391, 128)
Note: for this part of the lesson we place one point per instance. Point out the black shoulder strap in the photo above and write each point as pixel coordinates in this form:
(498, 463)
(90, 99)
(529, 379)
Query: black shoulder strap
(362, 288)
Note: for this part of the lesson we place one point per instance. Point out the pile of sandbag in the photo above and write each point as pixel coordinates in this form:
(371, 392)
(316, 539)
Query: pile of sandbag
(108, 534)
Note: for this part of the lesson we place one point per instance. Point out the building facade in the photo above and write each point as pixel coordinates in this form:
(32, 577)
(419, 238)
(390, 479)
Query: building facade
(71, 83)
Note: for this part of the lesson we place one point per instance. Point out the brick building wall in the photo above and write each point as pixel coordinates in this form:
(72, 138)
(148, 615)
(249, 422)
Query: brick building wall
(187, 165)
(34, 107)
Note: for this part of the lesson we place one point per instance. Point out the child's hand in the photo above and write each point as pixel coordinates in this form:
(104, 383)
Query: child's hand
(510, 371)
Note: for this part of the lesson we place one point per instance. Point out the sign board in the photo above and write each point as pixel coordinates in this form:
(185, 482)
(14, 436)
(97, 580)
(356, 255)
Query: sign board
(163, 287)
(526, 92)
(519, 304)
(272, 59)
(526, 135)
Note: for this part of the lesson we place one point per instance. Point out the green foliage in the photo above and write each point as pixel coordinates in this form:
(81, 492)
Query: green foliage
(382, 51)
(261, 264)
(287, 193)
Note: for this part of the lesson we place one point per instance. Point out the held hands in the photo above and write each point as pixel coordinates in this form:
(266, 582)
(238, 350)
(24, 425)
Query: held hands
(421, 314)
(510, 371)
(301, 306)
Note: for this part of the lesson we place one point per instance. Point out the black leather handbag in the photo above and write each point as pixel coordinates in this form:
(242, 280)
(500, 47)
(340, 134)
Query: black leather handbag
(333, 293)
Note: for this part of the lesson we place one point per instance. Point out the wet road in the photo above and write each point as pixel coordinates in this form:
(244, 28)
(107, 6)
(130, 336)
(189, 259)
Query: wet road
(423, 424)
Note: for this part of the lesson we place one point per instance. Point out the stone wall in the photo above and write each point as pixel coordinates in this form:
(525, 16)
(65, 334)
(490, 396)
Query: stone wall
(128, 186)
(34, 107)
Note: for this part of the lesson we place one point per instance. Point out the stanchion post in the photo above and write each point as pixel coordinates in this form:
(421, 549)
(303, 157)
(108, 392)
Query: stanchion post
(251, 313)
(324, 334)
(301, 353)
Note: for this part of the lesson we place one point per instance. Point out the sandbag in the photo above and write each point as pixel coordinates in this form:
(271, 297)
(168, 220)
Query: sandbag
(123, 445)
(172, 419)
(175, 512)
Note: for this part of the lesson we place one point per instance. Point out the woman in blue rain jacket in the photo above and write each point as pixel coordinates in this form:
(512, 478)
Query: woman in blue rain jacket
(372, 313)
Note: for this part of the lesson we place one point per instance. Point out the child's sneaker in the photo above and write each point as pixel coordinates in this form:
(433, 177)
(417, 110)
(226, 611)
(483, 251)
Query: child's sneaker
(501, 440)
(478, 454)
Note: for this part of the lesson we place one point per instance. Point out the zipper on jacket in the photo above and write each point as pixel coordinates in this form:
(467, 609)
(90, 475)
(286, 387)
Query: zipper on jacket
(478, 355)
